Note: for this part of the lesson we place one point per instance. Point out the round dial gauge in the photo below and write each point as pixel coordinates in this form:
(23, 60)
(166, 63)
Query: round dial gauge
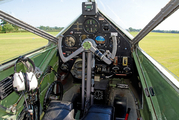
(69, 41)
(100, 40)
(64, 67)
(98, 94)
(91, 25)
(83, 37)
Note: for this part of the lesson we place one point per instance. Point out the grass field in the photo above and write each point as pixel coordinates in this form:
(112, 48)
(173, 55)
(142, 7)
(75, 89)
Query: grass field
(15, 44)
(161, 46)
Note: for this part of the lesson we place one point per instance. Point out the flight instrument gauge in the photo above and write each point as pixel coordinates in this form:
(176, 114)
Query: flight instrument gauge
(69, 41)
(83, 37)
(100, 40)
(98, 94)
(91, 25)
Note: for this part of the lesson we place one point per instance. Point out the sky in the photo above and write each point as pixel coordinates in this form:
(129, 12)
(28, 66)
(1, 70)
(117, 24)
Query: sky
(60, 13)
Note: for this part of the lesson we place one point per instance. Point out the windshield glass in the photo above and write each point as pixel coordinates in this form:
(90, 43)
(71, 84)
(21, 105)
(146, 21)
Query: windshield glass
(162, 43)
(131, 13)
(52, 16)
(43, 12)
(127, 13)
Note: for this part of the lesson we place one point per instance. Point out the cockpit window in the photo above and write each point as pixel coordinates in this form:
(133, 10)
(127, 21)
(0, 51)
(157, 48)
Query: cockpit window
(60, 13)
(15, 41)
(50, 16)
(56, 13)
(131, 13)
(162, 43)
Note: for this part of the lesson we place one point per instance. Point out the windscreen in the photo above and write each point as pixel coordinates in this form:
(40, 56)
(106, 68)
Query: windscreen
(53, 16)
(133, 14)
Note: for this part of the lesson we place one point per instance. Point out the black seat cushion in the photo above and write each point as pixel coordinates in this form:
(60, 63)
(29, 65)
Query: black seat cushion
(59, 110)
(100, 112)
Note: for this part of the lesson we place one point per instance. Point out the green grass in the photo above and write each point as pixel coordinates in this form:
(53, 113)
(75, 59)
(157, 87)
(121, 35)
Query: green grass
(15, 44)
(163, 47)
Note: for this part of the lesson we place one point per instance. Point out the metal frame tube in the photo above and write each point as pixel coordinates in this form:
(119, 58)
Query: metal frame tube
(92, 79)
(27, 27)
(83, 80)
(88, 85)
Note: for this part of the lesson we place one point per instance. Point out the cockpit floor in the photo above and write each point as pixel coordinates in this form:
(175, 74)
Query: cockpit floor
(125, 96)
(68, 95)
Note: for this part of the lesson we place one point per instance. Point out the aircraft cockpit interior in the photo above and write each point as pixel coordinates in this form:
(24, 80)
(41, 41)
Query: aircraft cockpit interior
(92, 70)
(97, 54)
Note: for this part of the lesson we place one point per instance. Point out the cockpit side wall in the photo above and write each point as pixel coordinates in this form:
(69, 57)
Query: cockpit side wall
(42, 58)
(160, 92)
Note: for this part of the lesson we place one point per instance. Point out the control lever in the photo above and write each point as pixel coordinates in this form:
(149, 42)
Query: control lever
(108, 54)
(112, 55)
(114, 50)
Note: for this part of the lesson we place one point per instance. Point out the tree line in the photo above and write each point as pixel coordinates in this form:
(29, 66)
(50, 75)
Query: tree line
(51, 29)
(159, 31)
(6, 27)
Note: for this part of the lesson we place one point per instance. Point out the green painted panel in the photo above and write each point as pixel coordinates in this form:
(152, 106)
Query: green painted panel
(42, 59)
(147, 111)
(166, 99)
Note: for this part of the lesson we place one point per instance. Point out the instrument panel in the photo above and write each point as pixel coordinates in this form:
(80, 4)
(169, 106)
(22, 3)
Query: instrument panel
(99, 28)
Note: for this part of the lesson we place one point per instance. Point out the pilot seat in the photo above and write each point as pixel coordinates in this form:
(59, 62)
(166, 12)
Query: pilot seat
(100, 112)
(59, 110)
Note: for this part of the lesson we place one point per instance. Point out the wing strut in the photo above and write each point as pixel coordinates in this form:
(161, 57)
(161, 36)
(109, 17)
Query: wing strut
(170, 8)
(26, 26)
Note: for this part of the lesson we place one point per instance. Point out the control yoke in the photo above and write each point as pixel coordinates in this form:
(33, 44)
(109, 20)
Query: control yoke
(90, 45)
